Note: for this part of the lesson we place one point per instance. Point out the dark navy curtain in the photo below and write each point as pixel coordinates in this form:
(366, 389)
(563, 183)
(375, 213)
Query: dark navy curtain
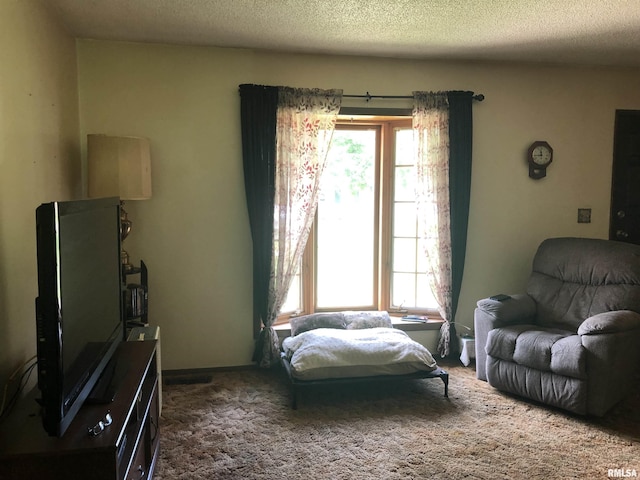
(258, 107)
(460, 148)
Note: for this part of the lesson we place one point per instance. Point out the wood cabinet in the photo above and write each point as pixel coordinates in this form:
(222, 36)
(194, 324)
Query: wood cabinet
(126, 449)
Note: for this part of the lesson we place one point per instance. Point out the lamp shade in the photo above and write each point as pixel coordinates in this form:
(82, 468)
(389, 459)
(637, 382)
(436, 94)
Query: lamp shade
(118, 167)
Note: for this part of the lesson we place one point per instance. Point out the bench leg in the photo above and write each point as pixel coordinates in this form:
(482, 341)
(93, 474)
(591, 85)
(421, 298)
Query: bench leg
(445, 378)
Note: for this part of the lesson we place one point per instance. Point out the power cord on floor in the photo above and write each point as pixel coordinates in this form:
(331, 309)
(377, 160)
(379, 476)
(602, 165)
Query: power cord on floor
(28, 367)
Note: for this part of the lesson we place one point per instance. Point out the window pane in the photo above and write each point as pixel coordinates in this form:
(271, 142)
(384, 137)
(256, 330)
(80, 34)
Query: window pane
(404, 146)
(293, 301)
(346, 222)
(405, 220)
(410, 288)
(422, 256)
(404, 185)
(425, 296)
(404, 287)
(404, 255)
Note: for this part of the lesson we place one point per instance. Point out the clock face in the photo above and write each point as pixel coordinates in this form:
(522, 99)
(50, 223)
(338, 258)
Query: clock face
(541, 155)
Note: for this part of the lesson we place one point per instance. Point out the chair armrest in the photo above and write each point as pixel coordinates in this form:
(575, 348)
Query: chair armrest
(491, 314)
(610, 322)
(611, 342)
(517, 309)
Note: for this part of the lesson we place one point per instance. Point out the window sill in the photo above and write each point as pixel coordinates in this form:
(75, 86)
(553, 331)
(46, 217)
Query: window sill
(284, 329)
(431, 324)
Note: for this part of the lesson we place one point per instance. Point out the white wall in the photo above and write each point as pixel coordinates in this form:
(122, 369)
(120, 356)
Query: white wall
(194, 235)
(39, 157)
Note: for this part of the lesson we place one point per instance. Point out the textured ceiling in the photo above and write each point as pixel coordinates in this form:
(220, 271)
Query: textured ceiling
(594, 32)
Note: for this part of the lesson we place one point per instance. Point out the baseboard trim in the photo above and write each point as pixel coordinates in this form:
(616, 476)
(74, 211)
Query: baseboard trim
(194, 376)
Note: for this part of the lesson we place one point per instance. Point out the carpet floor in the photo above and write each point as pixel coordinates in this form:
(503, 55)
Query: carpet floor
(240, 425)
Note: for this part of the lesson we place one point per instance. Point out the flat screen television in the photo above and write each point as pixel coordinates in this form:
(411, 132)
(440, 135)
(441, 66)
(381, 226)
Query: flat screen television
(79, 305)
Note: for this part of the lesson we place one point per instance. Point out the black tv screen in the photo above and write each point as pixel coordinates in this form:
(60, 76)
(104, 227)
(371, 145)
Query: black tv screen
(79, 304)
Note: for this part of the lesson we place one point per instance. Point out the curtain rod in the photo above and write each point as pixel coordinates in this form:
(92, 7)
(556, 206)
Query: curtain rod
(368, 96)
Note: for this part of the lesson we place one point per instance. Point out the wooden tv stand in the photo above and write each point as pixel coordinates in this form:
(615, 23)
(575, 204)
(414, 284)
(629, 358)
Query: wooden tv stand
(126, 449)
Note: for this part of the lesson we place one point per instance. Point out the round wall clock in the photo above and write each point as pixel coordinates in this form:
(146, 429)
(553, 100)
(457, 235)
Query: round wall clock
(539, 156)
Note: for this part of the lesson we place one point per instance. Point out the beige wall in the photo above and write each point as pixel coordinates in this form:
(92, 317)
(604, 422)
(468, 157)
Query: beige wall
(194, 236)
(39, 157)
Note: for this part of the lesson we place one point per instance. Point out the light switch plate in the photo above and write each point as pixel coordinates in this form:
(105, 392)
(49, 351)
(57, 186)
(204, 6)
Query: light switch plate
(584, 215)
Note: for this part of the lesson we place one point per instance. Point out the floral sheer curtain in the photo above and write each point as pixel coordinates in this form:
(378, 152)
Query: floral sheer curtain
(443, 132)
(305, 121)
(431, 144)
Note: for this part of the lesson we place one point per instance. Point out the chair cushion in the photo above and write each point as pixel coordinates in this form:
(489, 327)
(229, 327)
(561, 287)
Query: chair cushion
(540, 348)
(575, 278)
(546, 387)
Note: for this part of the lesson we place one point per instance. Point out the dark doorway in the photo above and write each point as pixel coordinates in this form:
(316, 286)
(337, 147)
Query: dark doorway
(624, 223)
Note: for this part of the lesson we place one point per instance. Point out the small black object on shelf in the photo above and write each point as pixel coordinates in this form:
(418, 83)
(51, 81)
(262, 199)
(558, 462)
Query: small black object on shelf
(136, 297)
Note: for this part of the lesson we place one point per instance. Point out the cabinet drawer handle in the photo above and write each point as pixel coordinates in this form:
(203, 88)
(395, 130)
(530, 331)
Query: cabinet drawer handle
(141, 471)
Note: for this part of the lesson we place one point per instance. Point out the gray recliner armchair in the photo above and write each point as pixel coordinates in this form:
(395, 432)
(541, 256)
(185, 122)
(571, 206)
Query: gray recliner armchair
(573, 339)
